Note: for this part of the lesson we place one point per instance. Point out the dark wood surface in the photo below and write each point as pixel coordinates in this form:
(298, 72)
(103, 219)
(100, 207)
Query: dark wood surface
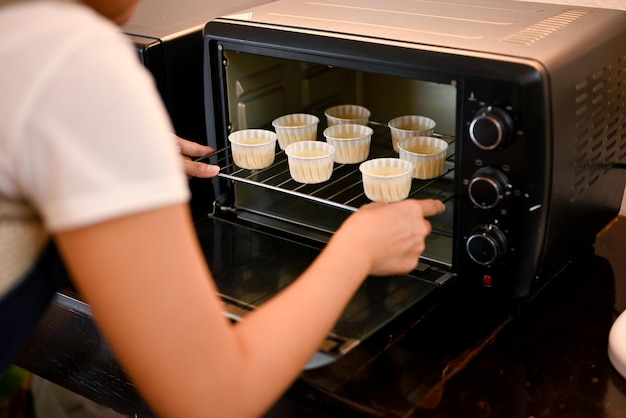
(470, 359)
(463, 358)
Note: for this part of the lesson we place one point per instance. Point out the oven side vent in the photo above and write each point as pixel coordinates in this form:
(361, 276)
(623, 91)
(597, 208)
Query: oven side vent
(545, 27)
(599, 125)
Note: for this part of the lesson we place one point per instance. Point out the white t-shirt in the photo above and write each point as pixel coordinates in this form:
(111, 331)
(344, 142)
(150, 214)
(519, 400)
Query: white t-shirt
(84, 136)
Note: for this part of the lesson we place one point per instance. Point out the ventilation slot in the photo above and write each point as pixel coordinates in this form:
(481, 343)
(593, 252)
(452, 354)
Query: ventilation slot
(543, 28)
(600, 128)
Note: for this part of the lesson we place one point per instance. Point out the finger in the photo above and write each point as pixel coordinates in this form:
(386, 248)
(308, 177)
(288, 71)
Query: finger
(428, 228)
(372, 205)
(432, 207)
(201, 170)
(193, 149)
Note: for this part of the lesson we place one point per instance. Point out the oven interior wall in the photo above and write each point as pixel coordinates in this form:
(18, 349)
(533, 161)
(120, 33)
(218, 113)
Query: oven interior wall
(261, 88)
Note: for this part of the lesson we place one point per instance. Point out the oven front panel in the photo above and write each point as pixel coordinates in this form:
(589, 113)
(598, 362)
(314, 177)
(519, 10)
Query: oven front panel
(496, 110)
(490, 110)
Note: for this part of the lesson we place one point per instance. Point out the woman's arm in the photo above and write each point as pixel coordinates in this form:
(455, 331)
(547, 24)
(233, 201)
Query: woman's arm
(152, 294)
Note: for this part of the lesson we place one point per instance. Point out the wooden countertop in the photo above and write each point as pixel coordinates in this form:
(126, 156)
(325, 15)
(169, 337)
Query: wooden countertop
(464, 358)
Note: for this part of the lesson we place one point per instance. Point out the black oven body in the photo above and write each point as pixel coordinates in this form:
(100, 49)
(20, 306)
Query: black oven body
(169, 42)
(522, 206)
(175, 64)
(519, 168)
(537, 135)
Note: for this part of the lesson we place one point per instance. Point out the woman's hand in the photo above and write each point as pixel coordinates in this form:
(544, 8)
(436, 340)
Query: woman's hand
(388, 238)
(190, 149)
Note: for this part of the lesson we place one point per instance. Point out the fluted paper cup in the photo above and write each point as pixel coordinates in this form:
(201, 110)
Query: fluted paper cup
(310, 162)
(253, 149)
(353, 114)
(386, 179)
(352, 142)
(427, 153)
(408, 126)
(294, 128)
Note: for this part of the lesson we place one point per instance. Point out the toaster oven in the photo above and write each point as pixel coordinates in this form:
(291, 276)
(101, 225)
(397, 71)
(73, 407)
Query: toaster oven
(530, 98)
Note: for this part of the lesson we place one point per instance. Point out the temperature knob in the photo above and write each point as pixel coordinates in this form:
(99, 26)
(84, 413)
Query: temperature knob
(487, 187)
(486, 244)
(491, 128)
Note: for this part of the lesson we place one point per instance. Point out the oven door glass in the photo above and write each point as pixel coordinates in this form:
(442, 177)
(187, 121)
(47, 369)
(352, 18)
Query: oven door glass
(251, 266)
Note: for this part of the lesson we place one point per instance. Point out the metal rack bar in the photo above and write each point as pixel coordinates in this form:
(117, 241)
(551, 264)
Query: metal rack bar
(345, 180)
(291, 192)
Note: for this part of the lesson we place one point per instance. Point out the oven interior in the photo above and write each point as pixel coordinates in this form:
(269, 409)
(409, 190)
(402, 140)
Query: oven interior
(261, 88)
(270, 214)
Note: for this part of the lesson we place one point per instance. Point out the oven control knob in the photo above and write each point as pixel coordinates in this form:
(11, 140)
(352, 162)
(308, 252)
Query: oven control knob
(491, 128)
(486, 243)
(487, 187)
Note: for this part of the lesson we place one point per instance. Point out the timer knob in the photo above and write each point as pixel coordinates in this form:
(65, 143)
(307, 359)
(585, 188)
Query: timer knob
(486, 244)
(487, 187)
(491, 128)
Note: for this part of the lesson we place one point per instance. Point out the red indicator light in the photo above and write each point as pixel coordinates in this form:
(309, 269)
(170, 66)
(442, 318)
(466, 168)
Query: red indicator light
(487, 280)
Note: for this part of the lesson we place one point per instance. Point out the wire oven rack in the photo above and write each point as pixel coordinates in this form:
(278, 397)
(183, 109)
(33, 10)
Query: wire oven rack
(344, 190)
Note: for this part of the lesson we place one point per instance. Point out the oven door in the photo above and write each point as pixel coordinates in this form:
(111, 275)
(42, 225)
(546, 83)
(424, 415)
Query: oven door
(250, 266)
(266, 229)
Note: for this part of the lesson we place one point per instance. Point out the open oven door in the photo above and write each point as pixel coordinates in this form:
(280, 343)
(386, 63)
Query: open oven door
(266, 229)
(250, 266)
